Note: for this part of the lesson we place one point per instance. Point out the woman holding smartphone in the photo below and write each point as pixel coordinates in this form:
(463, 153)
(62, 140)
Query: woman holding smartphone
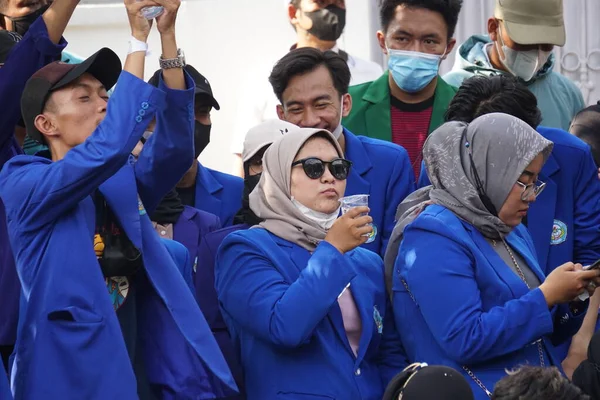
(468, 291)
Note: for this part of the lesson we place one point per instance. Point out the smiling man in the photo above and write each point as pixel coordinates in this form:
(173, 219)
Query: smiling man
(318, 24)
(408, 101)
(312, 87)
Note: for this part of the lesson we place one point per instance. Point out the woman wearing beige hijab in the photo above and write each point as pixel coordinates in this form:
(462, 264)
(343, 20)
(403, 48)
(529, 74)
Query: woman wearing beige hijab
(307, 306)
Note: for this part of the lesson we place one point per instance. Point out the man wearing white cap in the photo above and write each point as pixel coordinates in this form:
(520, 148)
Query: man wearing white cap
(522, 34)
(318, 24)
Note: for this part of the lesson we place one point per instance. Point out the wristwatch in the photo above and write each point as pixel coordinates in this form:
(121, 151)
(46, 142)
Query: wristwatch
(168, 63)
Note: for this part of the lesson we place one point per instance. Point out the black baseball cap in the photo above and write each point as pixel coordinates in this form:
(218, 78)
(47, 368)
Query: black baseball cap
(8, 40)
(202, 86)
(104, 65)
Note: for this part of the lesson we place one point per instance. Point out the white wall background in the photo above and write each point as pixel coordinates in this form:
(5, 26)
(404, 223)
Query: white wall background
(225, 39)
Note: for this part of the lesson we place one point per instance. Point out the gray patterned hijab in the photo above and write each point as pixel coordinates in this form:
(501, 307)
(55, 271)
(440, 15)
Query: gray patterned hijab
(502, 146)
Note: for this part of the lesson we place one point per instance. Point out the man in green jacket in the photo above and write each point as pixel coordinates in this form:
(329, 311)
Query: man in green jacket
(408, 102)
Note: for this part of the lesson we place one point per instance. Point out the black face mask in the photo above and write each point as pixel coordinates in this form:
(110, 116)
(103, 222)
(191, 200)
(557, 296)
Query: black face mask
(21, 24)
(245, 214)
(328, 23)
(201, 137)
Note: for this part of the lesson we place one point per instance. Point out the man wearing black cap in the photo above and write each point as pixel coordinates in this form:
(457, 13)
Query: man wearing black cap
(41, 46)
(79, 227)
(204, 188)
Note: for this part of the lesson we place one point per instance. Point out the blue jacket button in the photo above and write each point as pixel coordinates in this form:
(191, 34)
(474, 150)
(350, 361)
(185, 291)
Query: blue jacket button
(142, 112)
(145, 105)
(138, 118)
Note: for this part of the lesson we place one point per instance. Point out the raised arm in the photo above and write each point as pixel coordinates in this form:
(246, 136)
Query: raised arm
(48, 189)
(169, 152)
(42, 44)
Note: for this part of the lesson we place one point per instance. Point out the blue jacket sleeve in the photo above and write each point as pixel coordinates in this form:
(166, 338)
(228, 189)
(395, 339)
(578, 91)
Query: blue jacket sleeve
(401, 184)
(444, 286)
(32, 53)
(566, 324)
(37, 191)
(587, 212)
(169, 152)
(257, 297)
(181, 257)
(392, 358)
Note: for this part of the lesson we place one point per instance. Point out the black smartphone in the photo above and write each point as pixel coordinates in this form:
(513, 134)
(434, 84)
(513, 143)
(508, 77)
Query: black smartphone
(595, 265)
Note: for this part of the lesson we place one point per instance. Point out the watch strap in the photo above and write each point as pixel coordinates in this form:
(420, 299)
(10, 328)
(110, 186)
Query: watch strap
(168, 63)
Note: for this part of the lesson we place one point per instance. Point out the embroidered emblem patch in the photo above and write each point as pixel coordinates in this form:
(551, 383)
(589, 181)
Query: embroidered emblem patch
(372, 235)
(141, 208)
(378, 320)
(559, 232)
(118, 289)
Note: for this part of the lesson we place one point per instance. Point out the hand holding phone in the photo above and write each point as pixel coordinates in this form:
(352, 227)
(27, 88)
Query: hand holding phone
(595, 265)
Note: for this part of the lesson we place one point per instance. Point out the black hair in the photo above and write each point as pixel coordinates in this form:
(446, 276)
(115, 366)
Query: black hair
(448, 8)
(536, 383)
(304, 60)
(586, 126)
(480, 95)
(295, 3)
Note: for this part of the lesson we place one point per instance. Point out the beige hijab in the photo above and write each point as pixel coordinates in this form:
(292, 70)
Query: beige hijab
(271, 199)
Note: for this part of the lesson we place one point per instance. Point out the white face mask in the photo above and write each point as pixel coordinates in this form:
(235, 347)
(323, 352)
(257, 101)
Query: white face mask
(325, 221)
(524, 64)
(337, 132)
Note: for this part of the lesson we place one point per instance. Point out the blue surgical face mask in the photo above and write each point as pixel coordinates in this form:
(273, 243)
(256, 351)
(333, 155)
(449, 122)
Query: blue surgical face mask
(411, 70)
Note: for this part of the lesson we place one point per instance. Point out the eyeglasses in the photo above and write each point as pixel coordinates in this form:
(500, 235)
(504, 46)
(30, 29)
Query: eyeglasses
(534, 188)
(314, 167)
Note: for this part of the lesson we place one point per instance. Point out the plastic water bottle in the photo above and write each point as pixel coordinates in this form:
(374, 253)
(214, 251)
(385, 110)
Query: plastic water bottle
(152, 12)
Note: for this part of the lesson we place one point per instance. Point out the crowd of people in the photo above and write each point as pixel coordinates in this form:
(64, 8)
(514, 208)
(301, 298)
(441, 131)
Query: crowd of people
(391, 234)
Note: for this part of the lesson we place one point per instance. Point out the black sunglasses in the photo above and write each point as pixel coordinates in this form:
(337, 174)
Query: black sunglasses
(314, 167)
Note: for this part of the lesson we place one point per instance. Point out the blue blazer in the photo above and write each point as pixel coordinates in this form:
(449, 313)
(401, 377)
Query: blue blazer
(70, 344)
(29, 55)
(469, 308)
(564, 222)
(280, 303)
(206, 295)
(218, 193)
(5, 393)
(189, 228)
(382, 170)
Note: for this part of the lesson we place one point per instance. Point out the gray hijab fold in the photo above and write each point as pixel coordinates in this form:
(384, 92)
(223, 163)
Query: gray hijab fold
(271, 199)
(502, 146)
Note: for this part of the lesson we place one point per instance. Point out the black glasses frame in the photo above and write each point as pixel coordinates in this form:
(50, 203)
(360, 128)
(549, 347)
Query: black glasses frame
(331, 165)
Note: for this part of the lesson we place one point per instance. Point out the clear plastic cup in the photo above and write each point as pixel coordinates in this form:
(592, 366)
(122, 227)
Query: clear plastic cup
(358, 200)
(152, 12)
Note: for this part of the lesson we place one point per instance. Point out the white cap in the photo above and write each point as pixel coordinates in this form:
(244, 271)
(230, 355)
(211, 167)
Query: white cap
(265, 134)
